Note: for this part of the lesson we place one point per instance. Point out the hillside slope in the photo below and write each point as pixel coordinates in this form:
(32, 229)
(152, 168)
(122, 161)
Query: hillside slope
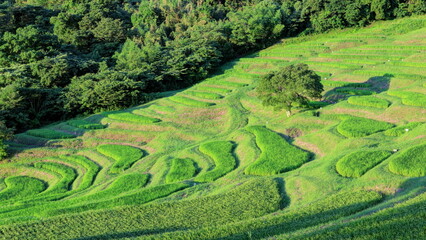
(213, 163)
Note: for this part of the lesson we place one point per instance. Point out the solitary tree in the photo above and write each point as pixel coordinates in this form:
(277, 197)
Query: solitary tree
(290, 86)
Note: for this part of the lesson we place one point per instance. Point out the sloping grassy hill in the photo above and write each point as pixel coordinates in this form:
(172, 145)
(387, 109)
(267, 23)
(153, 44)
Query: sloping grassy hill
(211, 162)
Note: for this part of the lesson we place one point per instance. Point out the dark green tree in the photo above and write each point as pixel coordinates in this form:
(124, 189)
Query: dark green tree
(5, 133)
(108, 90)
(382, 9)
(290, 86)
(256, 25)
(27, 45)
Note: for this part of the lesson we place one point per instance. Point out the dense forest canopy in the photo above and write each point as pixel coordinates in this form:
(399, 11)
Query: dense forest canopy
(59, 59)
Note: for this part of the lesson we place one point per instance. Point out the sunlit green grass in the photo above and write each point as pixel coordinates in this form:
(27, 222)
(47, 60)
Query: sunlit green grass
(123, 155)
(48, 133)
(358, 163)
(369, 101)
(181, 169)
(411, 162)
(222, 154)
(277, 154)
(129, 117)
(361, 127)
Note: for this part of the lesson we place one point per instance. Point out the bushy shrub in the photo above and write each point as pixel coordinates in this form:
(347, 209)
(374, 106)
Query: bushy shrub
(221, 153)
(369, 101)
(277, 154)
(49, 134)
(85, 124)
(398, 131)
(357, 163)
(123, 155)
(361, 127)
(181, 169)
(190, 102)
(410, 162)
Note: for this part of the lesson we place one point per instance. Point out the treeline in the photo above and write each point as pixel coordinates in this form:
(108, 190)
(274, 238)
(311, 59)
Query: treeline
(62, 58)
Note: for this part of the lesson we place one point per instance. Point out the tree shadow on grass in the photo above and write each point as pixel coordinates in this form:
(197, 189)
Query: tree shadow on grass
(373, 85)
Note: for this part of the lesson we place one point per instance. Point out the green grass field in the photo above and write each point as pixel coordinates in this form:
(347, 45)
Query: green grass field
(211, 162)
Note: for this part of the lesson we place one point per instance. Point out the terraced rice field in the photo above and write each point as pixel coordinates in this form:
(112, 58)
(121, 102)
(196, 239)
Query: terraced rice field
(211, 162)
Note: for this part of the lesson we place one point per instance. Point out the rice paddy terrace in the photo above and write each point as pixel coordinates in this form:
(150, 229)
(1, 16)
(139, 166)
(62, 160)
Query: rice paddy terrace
(211, 162)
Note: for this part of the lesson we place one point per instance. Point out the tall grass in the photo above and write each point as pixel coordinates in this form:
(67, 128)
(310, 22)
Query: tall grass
(21, 186)
(361, 127)
(213, 89)
(353, 91)
(123, 155)
(120, 185)
(410, 162)
(331, 208)
(404, 220)
(410, 98)
(67, 176)
(85, 124)
(385, 52)
(334, 64)
(181, 169)
(369, 101)
(129, 117)
(222, 154)
(91, 169)
(277, 154)
(136, 198)
(378, 57)
(190, 102)
(205, 95)
(398, 131)
(250, 200)
(357, 163)
(49, 134)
